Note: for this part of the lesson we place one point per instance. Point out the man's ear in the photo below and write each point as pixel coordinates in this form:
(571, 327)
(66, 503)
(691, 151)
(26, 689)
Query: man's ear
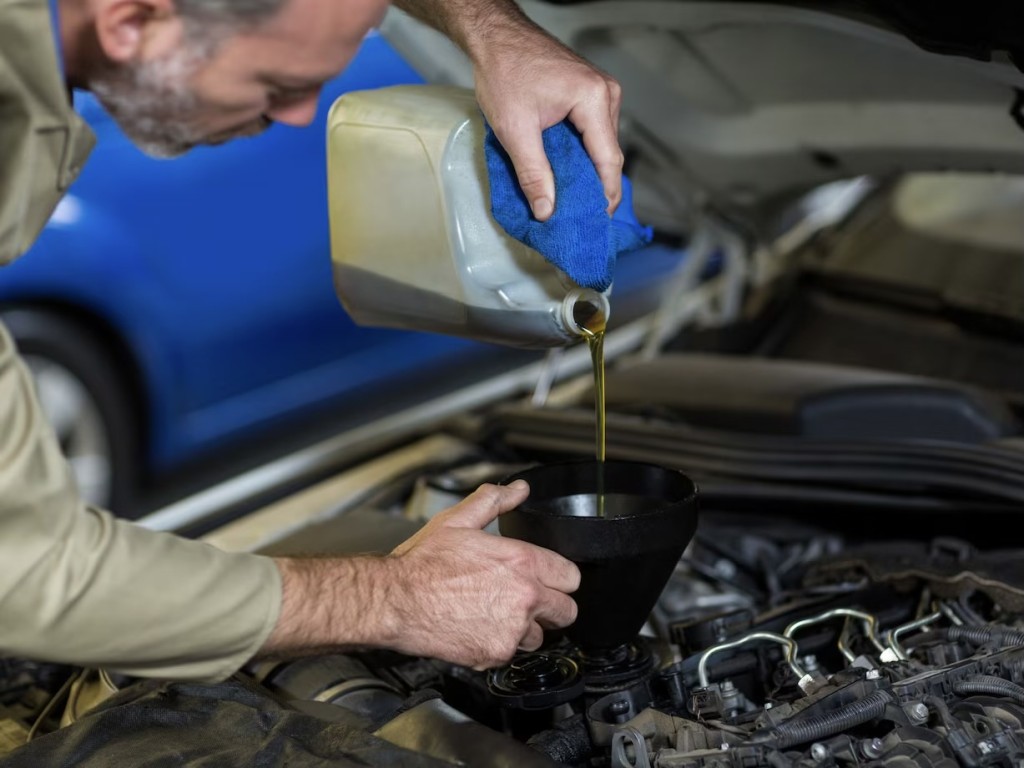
(125, 27)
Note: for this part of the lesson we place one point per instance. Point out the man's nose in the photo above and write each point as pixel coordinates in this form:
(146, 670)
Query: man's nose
(298, 113)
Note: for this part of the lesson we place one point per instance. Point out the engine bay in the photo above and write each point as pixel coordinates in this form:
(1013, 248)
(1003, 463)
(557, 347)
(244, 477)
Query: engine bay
(770, 645)
(844, 601)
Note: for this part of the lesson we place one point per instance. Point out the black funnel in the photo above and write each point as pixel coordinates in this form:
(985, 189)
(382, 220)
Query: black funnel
(625, 556)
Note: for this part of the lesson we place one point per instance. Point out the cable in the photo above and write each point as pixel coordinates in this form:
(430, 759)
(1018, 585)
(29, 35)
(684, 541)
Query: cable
(989, 684)
(793, 732)
(1005, 636)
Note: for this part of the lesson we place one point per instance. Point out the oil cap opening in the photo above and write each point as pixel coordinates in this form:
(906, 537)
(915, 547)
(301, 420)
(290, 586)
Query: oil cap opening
(585, 312)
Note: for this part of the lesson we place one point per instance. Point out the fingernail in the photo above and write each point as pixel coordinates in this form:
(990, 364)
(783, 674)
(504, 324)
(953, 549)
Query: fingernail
(542, 208)
(518, 485)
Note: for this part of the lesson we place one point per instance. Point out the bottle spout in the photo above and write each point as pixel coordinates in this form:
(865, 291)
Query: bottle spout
(585, 312)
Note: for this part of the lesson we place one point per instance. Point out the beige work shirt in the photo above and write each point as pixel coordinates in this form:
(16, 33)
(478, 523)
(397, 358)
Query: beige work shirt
(78, 585)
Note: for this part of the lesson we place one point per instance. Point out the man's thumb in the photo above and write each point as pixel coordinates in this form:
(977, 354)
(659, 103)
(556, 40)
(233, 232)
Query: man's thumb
(485, 503)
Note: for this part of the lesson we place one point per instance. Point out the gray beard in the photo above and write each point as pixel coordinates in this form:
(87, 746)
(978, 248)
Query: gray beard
(151, 102)
(148, 101)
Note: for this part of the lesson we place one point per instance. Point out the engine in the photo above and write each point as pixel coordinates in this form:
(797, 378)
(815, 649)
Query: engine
(780, 640)
(780, 646)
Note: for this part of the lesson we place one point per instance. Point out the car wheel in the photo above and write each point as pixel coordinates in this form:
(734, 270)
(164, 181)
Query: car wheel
(82, 392)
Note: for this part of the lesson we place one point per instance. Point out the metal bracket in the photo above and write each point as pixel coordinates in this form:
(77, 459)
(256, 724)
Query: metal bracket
(632, 737)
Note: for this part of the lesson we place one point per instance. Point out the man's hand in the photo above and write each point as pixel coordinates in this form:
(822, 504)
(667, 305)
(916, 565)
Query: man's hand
(530, 82)
(526, 81)
(472, 598)
(450, 592)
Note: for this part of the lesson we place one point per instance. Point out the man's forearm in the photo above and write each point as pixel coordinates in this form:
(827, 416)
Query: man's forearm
(470, 23)
(331, 605)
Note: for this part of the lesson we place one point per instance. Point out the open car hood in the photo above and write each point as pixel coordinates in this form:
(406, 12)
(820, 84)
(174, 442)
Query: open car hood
(740, 107)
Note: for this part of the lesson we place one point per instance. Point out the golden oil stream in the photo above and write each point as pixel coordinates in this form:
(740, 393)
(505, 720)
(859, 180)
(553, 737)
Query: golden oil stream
(594, 330)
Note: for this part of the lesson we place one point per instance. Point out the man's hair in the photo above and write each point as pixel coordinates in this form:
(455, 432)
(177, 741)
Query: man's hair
(228, 13)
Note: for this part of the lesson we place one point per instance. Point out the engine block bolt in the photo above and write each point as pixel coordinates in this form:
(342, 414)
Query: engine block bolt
(872, 748)
(819, 752)
(919, 712)
(618, 711)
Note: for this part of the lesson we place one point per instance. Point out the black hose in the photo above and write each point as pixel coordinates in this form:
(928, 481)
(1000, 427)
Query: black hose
(973, 635)
(1005, 636)
(800, 731)
(567, 744)
(991, 685)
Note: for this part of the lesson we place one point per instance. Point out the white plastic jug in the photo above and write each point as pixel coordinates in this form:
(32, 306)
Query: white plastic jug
(413, 242)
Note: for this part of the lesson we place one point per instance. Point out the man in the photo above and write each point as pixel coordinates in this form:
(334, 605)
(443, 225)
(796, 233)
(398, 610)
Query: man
(79, 586)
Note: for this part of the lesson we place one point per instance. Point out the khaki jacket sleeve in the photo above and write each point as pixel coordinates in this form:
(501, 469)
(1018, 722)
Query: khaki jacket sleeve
(79, 586)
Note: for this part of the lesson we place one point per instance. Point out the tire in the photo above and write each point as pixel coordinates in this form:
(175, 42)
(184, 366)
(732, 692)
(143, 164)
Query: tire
(84, 394)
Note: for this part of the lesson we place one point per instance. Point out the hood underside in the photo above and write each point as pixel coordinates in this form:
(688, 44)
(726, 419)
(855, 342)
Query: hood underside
(746, 105)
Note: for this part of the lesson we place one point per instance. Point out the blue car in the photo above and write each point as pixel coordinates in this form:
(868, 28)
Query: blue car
(172, 308)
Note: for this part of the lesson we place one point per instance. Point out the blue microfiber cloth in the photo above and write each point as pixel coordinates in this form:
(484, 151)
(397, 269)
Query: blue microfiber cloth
(579, 238)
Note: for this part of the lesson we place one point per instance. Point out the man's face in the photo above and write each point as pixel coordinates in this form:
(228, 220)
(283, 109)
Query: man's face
(192, 86)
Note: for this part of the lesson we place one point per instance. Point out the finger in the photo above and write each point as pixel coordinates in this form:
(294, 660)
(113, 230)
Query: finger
(556, 610)
(593, 121)
(615, 90)
(525, 147)
(485, 503)
(555, 572)
(616, 106)
(533, 639)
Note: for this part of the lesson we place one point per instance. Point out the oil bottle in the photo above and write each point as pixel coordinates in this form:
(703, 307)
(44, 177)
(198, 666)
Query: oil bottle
(413, 242)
